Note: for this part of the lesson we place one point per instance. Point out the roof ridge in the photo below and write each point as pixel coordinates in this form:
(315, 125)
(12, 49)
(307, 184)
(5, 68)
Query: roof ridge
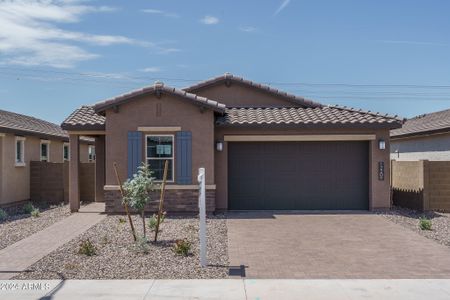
(161, 87)
(268, 88)
(352, 109)
(29, 117)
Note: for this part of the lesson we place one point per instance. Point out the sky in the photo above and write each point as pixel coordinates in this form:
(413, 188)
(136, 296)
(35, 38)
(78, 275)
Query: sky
(384, 56)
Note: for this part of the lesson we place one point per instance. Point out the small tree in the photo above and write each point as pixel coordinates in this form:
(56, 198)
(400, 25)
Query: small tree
(137, 190)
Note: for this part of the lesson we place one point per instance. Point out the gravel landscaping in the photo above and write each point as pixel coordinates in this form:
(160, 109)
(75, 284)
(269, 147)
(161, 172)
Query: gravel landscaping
(410, 218)
(117, 257)
(19, 225)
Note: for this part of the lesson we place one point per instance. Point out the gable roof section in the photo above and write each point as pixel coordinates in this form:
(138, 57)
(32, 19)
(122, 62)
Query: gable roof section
(227, 77)
(158, 88)
(25, 125)
(307, 117)
(437, 122)
(84, 118)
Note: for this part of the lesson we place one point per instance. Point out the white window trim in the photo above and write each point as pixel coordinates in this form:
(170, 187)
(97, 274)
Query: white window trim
(45, 142)
(171, 158)
(89, 152)
(22, 163)
(68, 151)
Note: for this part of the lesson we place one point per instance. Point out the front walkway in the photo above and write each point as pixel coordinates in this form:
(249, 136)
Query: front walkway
(437, 289)
(17, 257)
(331, 246)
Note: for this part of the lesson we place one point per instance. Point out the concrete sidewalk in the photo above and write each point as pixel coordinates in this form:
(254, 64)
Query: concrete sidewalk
(235, 289)
(17, 257)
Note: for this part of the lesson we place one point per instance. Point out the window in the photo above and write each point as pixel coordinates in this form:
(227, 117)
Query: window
(66, 153)
(91, 153)
(45, 150)
(159, 148)
(20, 151)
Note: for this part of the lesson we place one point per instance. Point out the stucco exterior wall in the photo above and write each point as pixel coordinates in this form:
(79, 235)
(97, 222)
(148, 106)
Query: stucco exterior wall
(15, 180)
(379, 191)
(240, 95)
(175, 111)
(433, 148)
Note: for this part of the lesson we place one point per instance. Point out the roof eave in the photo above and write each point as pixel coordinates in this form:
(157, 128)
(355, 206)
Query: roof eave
(313, 125)
(87, 127)
(33, 133)
(421, 133)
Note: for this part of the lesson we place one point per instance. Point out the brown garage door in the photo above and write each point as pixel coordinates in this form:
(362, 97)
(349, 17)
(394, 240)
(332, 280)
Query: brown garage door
(298, 175)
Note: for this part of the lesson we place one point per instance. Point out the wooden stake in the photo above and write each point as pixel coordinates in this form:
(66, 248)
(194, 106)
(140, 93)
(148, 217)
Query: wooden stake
(161, 200)
(125, 206)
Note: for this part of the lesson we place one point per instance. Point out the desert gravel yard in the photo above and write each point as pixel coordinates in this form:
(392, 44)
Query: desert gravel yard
(117, 257)
(19, 225)
(440, 230)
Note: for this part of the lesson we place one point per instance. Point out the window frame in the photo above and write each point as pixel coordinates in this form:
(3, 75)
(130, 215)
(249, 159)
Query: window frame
(20, 163)
(45, 142)
(94, 158)
(164, 158)
(68, 151)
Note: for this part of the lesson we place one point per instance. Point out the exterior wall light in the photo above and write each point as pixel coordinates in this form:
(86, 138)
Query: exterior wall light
(381, 144)
(219, 146)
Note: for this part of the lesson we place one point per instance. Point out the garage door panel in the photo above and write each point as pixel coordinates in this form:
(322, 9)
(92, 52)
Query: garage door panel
(298, 175)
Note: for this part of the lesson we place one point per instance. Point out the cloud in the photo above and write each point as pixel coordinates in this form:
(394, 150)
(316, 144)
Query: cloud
(168, 50)
(29, 33)
(410, 42)
(248, 29)
(160, 12)
(209, 20)
(282, 6)
(151, 70)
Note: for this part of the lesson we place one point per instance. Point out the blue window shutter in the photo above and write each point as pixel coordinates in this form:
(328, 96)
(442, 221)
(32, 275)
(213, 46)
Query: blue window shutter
(134, 152)
(183, 157)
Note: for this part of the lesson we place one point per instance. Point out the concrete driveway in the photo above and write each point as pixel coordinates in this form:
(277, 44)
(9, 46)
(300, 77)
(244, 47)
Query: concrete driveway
(337, 246)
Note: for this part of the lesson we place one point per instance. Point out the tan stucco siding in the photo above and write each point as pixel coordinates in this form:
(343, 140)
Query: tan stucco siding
(241, 95)
(15, 180)
(379, 191)
(175, 112)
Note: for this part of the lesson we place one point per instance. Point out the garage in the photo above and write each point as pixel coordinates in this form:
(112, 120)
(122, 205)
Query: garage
(332, 175)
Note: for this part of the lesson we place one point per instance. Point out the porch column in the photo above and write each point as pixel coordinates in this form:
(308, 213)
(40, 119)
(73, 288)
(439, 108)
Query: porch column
(99, 168)
(74, 167)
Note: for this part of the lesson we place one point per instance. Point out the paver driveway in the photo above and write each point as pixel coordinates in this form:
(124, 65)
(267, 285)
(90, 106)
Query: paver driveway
(353, 245)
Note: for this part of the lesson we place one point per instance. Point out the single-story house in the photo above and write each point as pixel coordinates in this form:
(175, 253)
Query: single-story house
(262, 148)
(425, 137)
(24, 139)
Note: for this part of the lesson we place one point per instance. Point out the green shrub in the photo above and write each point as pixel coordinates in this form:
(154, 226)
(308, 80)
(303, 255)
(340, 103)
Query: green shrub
(425, 224)
(122, 221)
(28, 208)
(182, 247)
(3, 214)
(141, 245)
(35, 213)
(154, 219)
(87, 248)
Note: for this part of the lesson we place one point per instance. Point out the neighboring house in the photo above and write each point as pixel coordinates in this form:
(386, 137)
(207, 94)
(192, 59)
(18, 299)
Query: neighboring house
(262, 148)
(24, 139)
(425, 137)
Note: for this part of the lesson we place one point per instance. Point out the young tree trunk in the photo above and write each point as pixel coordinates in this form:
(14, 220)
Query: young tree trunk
(161, 200)
(143, 221)
(133, 232)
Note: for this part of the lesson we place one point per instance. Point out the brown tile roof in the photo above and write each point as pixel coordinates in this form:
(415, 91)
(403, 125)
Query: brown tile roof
(320, 116)
(26, 125)
(231, 78)
(436, 122)
(159, 87)
(84, 118)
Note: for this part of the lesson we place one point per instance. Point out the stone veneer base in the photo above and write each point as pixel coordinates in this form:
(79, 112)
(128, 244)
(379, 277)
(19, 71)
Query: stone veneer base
(176, 201)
